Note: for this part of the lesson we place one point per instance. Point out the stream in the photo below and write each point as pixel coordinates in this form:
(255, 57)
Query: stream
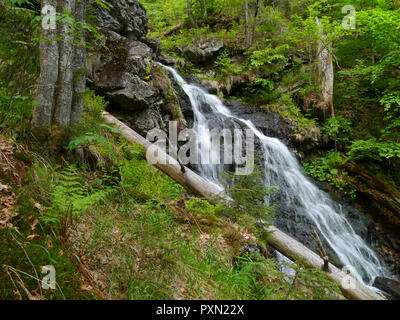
(281, 168)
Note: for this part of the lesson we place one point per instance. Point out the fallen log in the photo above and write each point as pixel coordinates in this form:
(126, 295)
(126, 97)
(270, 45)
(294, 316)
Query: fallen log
(170, 31)
(293, 249)
(282, 242)
(187, 178)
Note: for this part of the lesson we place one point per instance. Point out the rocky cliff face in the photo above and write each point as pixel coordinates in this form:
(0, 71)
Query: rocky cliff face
(123, 68)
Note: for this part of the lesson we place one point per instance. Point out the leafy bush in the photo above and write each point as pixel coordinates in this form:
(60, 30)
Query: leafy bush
(94, 105)
(328, 169)
(19, 66)
(337, 129)
(374, 149)
(267, 57)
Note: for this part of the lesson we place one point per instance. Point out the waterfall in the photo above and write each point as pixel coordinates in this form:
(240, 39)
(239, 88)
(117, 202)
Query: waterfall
(297, 192)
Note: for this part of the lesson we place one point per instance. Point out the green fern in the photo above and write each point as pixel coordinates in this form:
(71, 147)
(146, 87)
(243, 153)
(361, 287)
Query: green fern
(71, 195)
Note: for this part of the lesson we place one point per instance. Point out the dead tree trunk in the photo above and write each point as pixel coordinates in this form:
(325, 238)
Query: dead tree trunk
(167, 164)
(325, 75)
(170, 31)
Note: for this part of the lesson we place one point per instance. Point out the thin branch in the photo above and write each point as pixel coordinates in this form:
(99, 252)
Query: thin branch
(27, 257)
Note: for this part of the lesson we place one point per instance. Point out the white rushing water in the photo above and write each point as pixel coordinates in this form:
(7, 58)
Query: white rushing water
(297, 192)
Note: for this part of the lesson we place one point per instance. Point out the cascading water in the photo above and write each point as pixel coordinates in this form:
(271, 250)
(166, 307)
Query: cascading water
(282, 169)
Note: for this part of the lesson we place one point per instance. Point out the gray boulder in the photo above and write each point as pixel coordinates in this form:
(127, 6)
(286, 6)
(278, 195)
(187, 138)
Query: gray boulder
(135, 94)
(204, 51)
(126, 17)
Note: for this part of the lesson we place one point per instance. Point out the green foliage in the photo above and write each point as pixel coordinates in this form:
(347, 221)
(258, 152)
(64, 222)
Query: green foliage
(288, 109)
(249, 194)
(329, 169)
(268, 56)
(391, 104)
(163, 14)
(141, 178)
(72, 196)
(18, 68)
(32, 243)
(94, 104)
(224, 64)
(314, 279)
(374, 149)
(337, 128)
(202, 207)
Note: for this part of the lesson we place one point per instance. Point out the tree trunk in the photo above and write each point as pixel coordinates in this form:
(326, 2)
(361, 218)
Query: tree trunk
(62, 82)
(253, 31)
(293, 249)
(190, 14)
(246, 24)
(48, 78)
(79, 67)
(325, 75)
(199, 186)
(64, 92)
(203, 2)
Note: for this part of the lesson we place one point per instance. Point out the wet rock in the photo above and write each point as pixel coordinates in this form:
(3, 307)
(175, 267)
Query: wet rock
(270, 123)
(119, 72)
(154, 44)
(391, 286)
(122, 67)
(234, 84)
(211, 86)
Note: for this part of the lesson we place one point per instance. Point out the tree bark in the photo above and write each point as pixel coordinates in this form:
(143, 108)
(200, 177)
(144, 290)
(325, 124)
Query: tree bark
(253, 31)
(285, 244)
(203, 2)
(246, 23)
(64, 92)
(48, 77)
(325, 74)
(62, 82)
(189, 9)
(293, 249)
(79, 67)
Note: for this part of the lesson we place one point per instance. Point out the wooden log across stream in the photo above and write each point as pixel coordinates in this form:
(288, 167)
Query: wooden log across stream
(282, 242)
